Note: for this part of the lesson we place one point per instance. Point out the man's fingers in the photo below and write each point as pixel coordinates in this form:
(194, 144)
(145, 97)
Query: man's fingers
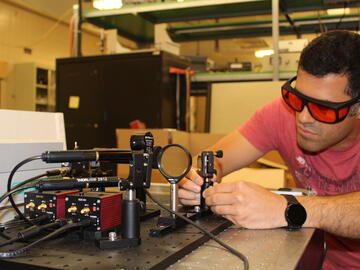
(227, 187)
(190, 185)
(224, 210)
(222, 199)
(230, 217)
(195, 177)
(189, 202)
(188, 195)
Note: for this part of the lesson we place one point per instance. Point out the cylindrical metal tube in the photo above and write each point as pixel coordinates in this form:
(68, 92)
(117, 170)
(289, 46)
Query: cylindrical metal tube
(207, 183)
(117, 156)
(173, 198)
(130, 194)
(78, 183)
(131, 219)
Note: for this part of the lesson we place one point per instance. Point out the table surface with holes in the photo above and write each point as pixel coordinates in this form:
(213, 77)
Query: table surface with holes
(265, 249)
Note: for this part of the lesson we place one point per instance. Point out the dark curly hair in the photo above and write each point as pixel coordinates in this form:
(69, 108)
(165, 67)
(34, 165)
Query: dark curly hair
(336, 52)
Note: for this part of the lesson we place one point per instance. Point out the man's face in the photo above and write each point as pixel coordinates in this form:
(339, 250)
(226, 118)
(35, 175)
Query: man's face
(315, 136)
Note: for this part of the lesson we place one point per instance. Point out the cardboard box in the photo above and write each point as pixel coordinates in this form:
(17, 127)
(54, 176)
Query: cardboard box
(268, 178)
(200, 141)
(161, 136)
(273, 160)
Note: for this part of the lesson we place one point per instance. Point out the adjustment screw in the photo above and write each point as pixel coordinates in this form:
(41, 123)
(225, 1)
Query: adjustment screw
(112, 236)
(219, 154)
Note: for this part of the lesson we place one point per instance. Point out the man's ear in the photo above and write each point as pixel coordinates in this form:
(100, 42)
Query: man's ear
(354, 111)
(357, 110)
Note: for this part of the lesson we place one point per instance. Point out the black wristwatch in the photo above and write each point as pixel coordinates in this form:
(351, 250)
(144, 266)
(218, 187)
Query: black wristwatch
(295, 213)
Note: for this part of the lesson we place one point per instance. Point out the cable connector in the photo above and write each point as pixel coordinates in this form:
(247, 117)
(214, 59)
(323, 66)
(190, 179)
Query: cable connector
(65, 227)
(34, 230)
(62, 171)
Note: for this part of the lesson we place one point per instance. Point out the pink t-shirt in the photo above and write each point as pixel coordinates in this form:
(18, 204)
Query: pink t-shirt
(330, 172)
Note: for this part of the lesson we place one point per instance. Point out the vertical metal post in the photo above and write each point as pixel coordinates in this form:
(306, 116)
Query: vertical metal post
(178, 105)
(74, 37)
(173, 198)
(275, 39)
(78, 48)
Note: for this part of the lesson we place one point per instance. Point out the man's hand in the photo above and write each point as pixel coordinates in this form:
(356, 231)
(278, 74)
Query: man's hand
(247, 204)
(189, 188)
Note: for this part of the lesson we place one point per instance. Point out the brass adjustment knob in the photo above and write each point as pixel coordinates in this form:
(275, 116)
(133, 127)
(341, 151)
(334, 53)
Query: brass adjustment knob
(85, 210)
(42, 206)
(30, 205)
(72, 209)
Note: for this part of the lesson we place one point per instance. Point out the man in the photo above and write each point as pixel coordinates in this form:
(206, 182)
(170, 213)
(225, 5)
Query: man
(315, 127)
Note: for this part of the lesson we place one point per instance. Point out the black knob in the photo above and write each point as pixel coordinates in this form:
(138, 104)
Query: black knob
(219, 154)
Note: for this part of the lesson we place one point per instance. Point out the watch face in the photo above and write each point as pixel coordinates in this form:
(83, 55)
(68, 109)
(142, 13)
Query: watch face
(296, 215)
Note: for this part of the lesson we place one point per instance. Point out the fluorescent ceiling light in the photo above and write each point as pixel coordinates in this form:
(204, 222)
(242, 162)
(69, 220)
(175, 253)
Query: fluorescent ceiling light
(107, 4)
(262, 53)
(338, 11)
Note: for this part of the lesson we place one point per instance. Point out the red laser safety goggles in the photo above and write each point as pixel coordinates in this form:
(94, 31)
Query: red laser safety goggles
(322, 111)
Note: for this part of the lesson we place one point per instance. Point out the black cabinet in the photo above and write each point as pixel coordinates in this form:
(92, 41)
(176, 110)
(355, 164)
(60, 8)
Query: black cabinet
(112, 90)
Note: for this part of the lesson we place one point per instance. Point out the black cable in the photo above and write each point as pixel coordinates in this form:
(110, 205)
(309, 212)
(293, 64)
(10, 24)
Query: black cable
(9, 241)
(29, 180)
(213, 237)
(19, 185)
(2, 234)
(8, 194)
(56, 172)
(11, 175)
(17, 222)
(32, 231)
(66, 227)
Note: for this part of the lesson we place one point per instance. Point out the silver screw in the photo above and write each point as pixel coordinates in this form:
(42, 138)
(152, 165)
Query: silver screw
(112, 236)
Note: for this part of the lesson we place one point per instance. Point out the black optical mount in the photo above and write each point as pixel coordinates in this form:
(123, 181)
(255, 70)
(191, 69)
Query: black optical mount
(139, 179)
(168, 224)
(206, 171)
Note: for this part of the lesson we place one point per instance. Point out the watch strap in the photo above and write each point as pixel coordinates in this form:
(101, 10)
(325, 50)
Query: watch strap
(294, 223)
(291, 199)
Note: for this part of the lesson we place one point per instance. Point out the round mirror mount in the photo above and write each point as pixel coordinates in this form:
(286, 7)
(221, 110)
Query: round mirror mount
(174, 162)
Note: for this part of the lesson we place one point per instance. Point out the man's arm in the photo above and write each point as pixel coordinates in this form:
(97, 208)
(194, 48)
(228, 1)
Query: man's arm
(339, 214)
(238, 153)
(252, 206)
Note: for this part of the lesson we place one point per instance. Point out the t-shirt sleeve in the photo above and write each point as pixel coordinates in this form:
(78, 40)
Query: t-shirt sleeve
(264, 126)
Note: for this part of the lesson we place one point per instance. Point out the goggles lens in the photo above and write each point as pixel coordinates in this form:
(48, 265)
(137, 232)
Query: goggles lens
(332, 113)
(322, 113)
(293, 100)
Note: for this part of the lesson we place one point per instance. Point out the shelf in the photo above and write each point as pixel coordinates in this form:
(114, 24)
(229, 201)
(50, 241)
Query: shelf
(34, 87)
(260, 28)
(41, 103)
(141, 17)
(42, 86)
(240, 76)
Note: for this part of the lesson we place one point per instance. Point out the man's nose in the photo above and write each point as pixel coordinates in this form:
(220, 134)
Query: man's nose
(304, 116)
